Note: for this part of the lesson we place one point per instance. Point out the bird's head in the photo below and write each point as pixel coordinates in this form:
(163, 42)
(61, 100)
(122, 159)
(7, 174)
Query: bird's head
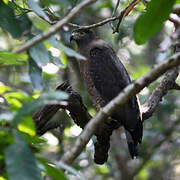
(82, 36)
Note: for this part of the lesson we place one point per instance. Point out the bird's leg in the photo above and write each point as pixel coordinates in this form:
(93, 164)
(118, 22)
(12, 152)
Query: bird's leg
(102, 145)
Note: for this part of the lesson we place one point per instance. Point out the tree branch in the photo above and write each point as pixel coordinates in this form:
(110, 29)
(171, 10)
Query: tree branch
(161, 90)
(55, 27)
(123, 13)
(121, 99)
(166, 84)
(115, 9)
(113, 13)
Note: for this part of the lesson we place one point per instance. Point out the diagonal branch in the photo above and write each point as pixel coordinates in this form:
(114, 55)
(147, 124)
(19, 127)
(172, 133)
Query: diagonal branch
(166, 84)
(161, 90)
(55, 27)
(121, 99)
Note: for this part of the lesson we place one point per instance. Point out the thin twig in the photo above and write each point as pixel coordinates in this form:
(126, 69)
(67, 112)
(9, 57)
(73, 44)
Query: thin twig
(111, 107)
(55, 27)
(113, 14)
(123, 13)
(115, 9)
(105, 21)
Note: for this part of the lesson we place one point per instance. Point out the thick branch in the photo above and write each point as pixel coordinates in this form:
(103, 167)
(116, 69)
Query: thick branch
(55, 27)
(166, 84)
(121, 99)
(161, 90)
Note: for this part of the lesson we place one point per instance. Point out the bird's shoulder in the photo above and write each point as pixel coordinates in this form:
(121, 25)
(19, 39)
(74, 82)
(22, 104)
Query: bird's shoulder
(103, 57)
(99, 43)
(98, 46)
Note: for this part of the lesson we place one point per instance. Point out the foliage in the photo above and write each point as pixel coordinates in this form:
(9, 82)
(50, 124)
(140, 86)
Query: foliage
(27, 78)
(146, 25)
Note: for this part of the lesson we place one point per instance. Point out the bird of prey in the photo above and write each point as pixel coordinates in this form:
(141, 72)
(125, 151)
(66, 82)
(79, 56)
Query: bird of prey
(105, 77)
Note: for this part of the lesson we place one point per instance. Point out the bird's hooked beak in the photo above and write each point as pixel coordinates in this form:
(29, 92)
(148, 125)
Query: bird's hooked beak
(74, 36)
(71, 38)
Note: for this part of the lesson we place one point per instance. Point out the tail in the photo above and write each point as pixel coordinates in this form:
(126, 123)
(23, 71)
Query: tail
(134, 138)
(134, 126)
(132, 145)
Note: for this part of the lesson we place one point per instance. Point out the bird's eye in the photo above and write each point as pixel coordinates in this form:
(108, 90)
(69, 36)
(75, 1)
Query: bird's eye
(82, 34)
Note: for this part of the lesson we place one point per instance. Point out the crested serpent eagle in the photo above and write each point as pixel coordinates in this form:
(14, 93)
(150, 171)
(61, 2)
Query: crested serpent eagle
(105, 77)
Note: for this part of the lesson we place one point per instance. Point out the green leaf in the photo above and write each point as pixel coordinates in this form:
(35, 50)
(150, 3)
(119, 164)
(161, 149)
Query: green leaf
(8, 20)
(35, 73)
(16, 26)
(40, 24)
(27, 126)
(14, 103)
(51, 171)
(37, 9)
(4, 88)
(15, 99)
(35, 140)
(70, 52)
(69, 169)
(24, 22)
(20, 95)
(5, 1)
(46, 98)
(39, 54)
(5, 140)
(57, 61)
(8, 58)
(20, 161)
(63, 59)
(150, 22)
